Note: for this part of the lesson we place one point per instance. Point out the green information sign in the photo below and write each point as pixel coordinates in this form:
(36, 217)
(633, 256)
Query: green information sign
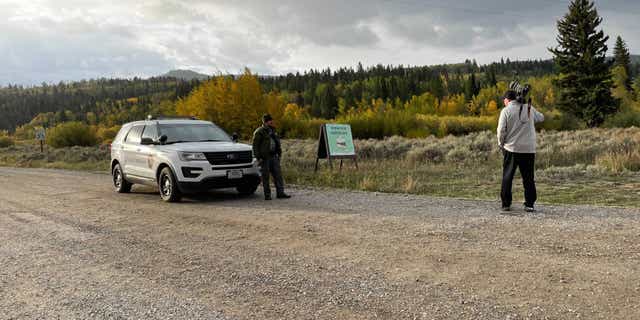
(340, 140)
(336, 142)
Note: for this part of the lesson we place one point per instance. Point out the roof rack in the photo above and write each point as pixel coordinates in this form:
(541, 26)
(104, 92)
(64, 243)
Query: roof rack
(150, 117)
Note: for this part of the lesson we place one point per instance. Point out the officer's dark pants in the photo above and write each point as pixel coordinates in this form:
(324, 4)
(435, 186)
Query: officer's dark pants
(526, 163)
(271, 167)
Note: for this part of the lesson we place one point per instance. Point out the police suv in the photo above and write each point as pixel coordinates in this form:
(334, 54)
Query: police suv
(181, 156)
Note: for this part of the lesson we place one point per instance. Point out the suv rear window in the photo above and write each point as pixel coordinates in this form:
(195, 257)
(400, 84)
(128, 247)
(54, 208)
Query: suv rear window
(134, 135)
(121, 134)
(150, 131)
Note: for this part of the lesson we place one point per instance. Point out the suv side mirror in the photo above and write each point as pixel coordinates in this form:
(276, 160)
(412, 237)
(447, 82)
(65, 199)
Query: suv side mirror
(163, 139)
(146, 141)
(235, 137)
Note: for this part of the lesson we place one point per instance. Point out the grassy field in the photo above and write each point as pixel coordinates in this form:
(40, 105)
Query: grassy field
(599, 166)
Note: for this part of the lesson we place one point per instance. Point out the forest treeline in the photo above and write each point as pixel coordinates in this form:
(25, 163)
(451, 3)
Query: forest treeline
(311, 96)
(104, 97)
(377, 101)
(109, 101)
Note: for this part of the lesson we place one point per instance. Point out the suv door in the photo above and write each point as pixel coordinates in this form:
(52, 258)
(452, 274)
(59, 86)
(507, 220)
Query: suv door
(147, 152)
(130, 149)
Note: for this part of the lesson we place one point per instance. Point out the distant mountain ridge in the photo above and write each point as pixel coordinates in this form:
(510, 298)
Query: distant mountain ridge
(184, 74)
(188, 75)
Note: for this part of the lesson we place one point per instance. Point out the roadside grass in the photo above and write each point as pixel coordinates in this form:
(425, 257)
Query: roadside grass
(26, 154)
(594, 167)
(481, 181)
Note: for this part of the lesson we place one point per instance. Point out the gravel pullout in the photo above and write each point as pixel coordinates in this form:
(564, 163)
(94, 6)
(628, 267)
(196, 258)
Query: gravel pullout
(71, 248)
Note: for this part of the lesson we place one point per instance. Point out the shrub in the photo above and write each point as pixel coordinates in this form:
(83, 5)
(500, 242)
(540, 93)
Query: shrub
(458, 126)
(458, 155)
(565, 173)
(6, 142)
(71, 134)
(106, 135)
(619, 162)
(623, 119)
(432, 153)
(300, 128)
(556, 120)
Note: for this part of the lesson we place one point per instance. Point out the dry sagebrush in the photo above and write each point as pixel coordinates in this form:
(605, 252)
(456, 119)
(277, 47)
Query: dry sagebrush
(612, 149)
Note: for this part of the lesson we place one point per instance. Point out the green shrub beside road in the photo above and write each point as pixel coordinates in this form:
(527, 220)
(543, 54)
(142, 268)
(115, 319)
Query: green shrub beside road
(6, 142)
(70, 134)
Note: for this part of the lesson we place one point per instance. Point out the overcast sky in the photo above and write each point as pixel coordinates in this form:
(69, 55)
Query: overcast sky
(43, 40)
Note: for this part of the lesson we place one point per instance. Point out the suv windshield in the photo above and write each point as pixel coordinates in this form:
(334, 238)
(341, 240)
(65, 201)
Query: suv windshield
(192, 133)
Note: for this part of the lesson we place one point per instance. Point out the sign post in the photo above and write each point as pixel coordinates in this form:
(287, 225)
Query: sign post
(40, 136)
(336, 142)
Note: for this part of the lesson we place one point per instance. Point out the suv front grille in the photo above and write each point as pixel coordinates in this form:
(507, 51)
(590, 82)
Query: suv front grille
(224, 158)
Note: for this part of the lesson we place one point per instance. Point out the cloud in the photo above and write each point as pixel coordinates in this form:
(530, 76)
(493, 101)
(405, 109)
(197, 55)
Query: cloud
(46, 40)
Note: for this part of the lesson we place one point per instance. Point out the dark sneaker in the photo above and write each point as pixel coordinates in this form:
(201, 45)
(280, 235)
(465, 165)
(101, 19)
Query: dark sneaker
(529, 209)
(267, 197)
(506, 209)
(283, 196)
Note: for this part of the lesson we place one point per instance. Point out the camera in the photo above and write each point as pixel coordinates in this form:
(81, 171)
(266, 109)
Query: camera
(521, 90)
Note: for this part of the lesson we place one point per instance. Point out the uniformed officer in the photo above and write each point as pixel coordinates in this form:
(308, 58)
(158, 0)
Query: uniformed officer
(267, 149)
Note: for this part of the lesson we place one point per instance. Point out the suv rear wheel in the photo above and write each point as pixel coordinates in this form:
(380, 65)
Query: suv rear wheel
(119, 182)
(168, 186)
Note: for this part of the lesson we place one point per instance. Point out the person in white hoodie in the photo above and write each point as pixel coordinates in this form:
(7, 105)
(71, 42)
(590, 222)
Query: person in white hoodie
(517, 139)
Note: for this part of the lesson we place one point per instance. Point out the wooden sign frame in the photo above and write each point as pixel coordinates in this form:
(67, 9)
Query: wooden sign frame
(324, 152)
(40, 134)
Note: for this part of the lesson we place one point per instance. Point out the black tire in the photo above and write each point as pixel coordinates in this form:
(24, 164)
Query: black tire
(119, 182)
(168, 186)
(247, 189)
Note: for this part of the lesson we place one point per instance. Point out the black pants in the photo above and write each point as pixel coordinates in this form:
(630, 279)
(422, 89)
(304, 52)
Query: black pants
(526, 163)
(271, 167)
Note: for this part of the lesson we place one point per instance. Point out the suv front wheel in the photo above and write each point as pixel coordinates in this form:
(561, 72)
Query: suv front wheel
(168, 186)
(119, 182)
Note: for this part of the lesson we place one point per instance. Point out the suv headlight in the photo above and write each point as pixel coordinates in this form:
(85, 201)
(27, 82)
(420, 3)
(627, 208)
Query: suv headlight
(192, 156)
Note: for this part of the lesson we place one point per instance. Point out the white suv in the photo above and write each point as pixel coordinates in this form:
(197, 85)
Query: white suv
(181, 156)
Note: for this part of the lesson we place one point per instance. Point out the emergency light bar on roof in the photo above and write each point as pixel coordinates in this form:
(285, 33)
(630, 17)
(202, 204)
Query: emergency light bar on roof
(150, 117)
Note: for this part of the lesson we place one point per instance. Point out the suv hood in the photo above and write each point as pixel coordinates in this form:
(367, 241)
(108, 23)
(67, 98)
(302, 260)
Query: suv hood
(207, 147)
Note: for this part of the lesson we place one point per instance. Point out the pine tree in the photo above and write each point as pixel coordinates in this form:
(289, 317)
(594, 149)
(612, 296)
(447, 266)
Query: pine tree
(471, 87)
(623, 58)
(585, 78)
(491, 79)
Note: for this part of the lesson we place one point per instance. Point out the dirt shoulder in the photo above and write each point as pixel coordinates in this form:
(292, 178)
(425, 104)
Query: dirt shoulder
(72, 248)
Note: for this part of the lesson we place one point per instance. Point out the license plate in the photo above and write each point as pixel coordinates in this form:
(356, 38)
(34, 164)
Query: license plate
(234, 174)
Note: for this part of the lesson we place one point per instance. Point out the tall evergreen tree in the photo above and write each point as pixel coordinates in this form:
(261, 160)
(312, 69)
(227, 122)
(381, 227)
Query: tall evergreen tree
(585, 78)
(623, 58)
(471, 87)
(491, 79)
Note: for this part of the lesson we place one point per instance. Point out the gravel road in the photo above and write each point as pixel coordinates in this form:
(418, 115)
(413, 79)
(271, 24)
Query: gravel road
(71, 248)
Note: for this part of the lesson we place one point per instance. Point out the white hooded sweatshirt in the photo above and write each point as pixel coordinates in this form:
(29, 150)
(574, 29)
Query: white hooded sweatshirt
(516, 128)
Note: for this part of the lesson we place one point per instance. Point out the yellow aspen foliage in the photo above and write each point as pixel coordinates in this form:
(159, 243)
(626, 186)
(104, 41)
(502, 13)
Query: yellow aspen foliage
(234, 104)
(293, 111)
(549, 98)
(275, 105)
(492, 107)
(453, 105)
